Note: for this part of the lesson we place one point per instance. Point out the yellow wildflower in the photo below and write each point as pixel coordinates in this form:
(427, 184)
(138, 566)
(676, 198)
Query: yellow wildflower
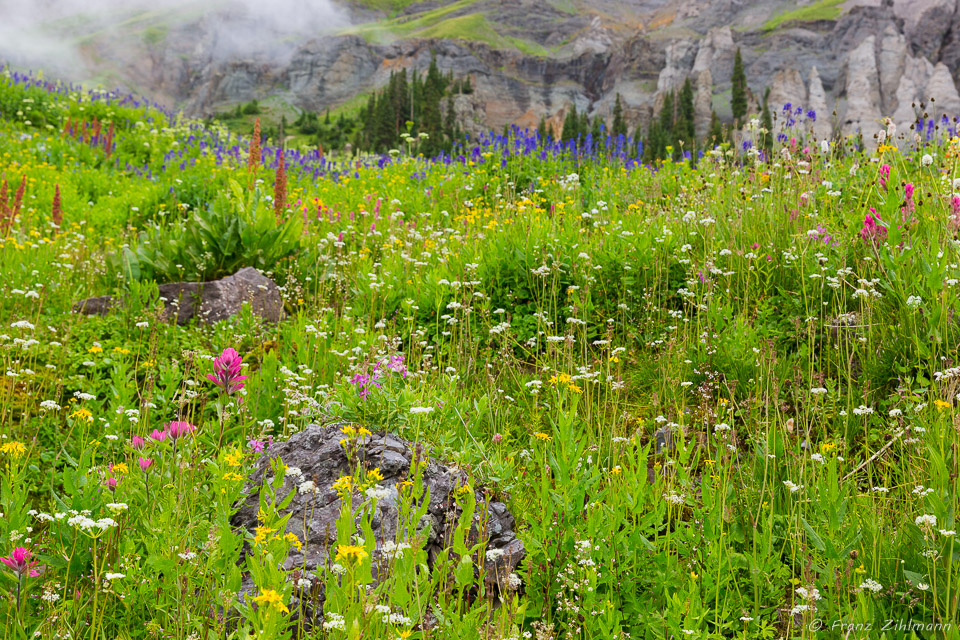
(95, 349)
(234, 459)
(350, 553)
(940, 404)
(82, 414)
(539, 435)
(120, 467)
(13, 449)
(344, 485)
(294, 540)
(375, 474)
(271, 597)
(560, 379)
(262, 534)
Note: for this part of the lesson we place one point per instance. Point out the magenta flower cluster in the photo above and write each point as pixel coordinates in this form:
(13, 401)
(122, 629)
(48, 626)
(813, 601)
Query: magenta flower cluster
(19, 561)
(873, 230)
(381, 370)
(227, 371)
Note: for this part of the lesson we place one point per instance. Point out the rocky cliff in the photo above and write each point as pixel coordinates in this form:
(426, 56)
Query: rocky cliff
(852, 62)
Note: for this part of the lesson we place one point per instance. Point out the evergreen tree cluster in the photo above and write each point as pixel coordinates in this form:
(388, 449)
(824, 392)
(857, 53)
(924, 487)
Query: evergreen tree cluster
(672, 134)
(413, 104)
(329, 133)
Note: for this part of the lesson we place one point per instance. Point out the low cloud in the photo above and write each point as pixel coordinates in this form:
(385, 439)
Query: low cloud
(49, 34)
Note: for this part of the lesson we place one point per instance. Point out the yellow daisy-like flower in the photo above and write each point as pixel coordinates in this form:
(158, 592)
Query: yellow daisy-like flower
(262, 534)
(375, 474)
(294, 540)
(13, 449)
(940, 404)
(230, 475)
(234, 459)
(350, 553)
(574, 389)
(539, 435)
(82, 414)
(271, 598)
(561, 379)
(95, 349)
(120, 467)
(344, 485)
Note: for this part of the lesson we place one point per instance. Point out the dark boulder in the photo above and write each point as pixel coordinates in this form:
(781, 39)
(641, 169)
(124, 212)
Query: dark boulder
(208, 301)
(318, 459)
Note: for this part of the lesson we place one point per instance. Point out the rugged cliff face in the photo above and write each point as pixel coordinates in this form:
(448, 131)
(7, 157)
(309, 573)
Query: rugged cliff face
(851, 62)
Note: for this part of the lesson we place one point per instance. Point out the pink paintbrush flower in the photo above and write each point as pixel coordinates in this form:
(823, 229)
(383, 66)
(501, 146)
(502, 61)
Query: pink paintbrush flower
(19, 562)
(227, 371)
(179, 429)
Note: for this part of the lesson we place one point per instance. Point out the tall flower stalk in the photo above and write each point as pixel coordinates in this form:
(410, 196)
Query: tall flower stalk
(227, 377)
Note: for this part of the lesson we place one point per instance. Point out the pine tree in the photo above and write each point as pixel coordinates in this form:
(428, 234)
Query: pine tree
(667, 115)
(715, 136)
(431, 120)
(583, 127)
(686, 130)
(619, 124)
(597, 131)
(571, 125)
(738, 100)
(542, 130)
(766, 121)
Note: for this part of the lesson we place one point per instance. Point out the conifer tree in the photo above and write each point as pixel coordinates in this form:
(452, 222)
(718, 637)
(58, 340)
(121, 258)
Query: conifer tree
(583, 127)
(685, 129)
(542, 130)
(715, 136)
(619, 124)
(738, 100)
(597, 131)
(766, 121)
(571, 125)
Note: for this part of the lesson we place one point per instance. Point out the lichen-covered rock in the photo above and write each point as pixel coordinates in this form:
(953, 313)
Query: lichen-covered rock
(208, 301)
(319, 455)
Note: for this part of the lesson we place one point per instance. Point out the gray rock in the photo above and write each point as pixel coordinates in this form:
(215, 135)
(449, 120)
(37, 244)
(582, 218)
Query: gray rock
(209, 302)
(891, 61)
(318, 453)
(703, 103)
(863, 92)
(817, 101)
(941, 89)
(716, 53)
(910, 92)
(664, 440)
(787, 88)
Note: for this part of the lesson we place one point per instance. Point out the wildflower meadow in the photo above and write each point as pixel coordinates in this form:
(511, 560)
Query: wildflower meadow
(718, 393)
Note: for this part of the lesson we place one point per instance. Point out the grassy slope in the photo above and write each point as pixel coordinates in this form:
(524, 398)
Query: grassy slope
(822, 10)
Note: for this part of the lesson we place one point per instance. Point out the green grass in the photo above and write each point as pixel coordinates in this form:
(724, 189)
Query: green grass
(822, 10)
(555, 311)
(440, 23)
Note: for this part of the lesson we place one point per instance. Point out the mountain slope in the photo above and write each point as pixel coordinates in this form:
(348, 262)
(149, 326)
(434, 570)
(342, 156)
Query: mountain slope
(851, 62)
